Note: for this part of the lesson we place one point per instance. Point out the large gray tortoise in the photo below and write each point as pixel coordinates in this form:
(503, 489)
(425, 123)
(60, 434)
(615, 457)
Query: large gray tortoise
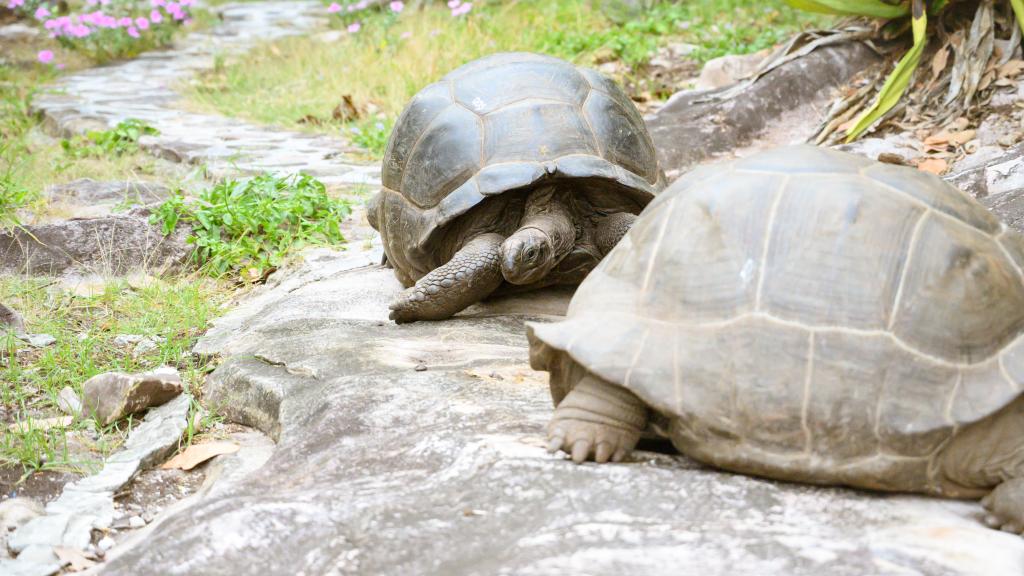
(514, 168)
(808, 315)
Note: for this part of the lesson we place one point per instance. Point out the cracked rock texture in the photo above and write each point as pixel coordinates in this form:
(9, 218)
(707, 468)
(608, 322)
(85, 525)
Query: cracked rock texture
(383, 469)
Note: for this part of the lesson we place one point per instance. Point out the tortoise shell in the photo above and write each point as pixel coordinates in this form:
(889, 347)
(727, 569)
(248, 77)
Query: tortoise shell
(503, 123)
(808, 314)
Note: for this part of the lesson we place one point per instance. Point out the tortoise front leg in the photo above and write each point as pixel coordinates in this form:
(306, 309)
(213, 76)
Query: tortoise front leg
(597, 420)
(611, 229)
(470, 276)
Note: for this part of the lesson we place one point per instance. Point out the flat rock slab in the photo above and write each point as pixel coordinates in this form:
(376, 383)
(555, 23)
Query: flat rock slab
(110, 244)
(383, 469)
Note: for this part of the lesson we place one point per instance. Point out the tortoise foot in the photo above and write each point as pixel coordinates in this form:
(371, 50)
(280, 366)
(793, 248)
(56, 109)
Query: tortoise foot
(1005, 506)
(408, 306)
(597, 421)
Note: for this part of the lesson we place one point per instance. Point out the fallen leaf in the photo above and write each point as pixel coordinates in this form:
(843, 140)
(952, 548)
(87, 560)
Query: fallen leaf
(275, 51)
(1011, 69)
(933, 165)
(346, 110)
(41, 424)
(196, 454)
(75, 560)
(940, 138)
(962, 137)
(939, 61)
(986, 80)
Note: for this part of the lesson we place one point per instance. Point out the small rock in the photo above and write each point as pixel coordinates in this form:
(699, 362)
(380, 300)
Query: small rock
(11, 321)
(105, 543)
(18, 32)
(136, 522)
(421, 367)
(126, 339)
(144, 347)
(17, 511)
(728, 70)
(38, 340)
(330, 37)
(147, 517)
(68, 401)
(114, 395)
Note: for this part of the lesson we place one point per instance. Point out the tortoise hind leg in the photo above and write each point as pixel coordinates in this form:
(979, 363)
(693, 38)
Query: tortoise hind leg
(597, 420)
(470, 276)
(990, 453)
(611, 229)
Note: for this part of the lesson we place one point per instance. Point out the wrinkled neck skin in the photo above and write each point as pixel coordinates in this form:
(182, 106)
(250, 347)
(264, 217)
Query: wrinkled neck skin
(546, 235)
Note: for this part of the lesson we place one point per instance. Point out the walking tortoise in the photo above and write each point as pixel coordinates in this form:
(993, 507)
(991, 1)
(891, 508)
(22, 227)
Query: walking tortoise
(806, 315)
(516, 168)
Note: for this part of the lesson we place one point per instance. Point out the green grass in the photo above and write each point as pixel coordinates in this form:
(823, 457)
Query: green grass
(177, 310)
(391, 58)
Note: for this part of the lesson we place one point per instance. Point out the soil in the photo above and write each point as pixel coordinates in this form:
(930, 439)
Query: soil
(41, 486)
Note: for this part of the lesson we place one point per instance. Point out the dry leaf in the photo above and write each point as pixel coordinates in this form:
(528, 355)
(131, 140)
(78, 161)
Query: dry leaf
(986, 80)
(196, 454)
(1011, 69)
(275, 51)
(41, 424)
(940, 138)
(961, 138)
(346, 110)
(933, 165)
(75, 560)
(939, 61)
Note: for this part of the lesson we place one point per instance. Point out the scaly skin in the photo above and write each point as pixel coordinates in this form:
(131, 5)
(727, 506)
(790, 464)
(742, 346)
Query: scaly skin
(470, 276)
(612, 229)
(597, 421)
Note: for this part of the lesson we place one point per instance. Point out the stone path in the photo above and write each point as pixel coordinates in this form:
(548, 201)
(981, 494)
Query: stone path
(383, 468)
(145, 88)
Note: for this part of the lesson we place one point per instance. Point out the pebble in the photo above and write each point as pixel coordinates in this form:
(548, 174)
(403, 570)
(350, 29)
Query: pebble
(136, 522)
(105, 543)
(68, 401)
(38, 340)
(421, 367)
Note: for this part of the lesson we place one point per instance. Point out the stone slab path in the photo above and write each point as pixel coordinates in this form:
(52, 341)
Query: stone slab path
(146, 88)
(384, 468)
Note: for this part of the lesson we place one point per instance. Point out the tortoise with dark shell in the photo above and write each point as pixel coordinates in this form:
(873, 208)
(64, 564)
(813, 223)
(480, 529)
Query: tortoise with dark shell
(806, 315)
(515, 169)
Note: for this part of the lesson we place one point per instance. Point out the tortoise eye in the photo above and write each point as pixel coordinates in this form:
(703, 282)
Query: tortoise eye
(531, 253)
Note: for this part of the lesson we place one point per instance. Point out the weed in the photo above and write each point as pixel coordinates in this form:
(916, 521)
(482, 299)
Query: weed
(118, 141)
(371, 135)
(249, 226)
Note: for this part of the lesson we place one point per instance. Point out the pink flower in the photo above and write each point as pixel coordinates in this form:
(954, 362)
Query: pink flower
(157, 3)
(155, 17)
(80, 31)
(397, 6)
(51, 24)
(406, 35)
(172, 7)
(185, 2)
(12, 4)
(362, 4)
(42, 12)
(354, 27)
(124, 22)
(133, 32)
(461, 9)
(45, 56)
(351, 8)
(334, 7)
(453, 4)
(142, 23)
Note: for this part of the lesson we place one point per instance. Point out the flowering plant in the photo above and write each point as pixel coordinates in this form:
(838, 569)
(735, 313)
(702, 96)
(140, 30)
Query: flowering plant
(108, 29)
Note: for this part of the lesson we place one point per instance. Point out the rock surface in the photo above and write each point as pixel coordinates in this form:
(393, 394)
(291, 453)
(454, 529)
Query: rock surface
(86, 198)
(727, 70)
(111, 396)
(722, 121)
(111, 245)
(383, 469)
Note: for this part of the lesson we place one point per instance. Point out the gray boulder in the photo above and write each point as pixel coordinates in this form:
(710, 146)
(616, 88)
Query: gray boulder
(110, 245)
(381, 468)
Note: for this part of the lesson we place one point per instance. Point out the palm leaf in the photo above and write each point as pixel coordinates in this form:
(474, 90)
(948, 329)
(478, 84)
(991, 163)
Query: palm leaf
(897, 82)
(1018, 9)
(872, 8)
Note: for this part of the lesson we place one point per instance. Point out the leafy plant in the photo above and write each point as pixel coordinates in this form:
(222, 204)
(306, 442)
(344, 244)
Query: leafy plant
(119, 140)
(248, 227)
(898, 81)
(372, 135)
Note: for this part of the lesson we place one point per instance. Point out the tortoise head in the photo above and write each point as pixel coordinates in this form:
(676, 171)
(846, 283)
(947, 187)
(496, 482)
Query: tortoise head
(527, 256)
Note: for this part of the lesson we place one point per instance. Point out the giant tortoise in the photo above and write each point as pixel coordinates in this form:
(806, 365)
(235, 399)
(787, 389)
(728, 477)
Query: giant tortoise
(516, 168)
(809, 315)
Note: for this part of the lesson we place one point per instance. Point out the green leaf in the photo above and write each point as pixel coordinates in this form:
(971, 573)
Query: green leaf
(871, 8)
(897, 82)
(1018, 9)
